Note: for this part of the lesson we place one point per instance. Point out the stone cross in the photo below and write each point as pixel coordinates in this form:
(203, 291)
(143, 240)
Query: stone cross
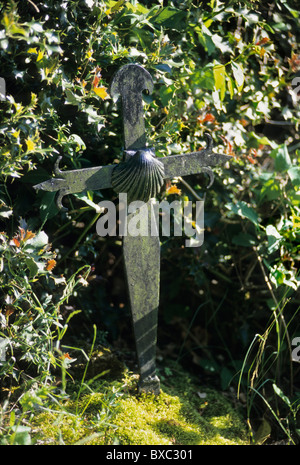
(141, 176)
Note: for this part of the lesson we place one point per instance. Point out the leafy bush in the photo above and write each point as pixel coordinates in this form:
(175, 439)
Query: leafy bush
(26, 321)
(221, 68)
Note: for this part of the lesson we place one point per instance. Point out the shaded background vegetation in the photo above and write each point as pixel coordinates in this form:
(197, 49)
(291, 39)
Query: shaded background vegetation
(228, 310)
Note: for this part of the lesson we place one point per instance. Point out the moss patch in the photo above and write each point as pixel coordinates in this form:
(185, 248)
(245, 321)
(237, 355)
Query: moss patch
(113, 413)
(179, 419)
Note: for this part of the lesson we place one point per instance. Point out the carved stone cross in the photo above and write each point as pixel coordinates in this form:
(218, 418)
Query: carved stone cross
(140, 175)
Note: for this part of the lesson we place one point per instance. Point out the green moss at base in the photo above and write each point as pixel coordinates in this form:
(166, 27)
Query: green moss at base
(184, 419)
(114, 413)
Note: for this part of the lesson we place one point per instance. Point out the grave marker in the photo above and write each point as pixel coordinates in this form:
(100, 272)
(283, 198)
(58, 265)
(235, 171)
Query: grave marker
(141, 176)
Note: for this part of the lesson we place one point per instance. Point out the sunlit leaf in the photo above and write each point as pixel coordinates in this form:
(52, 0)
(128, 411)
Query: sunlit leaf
(30, 144)
(220, 79)
(101, 92)
(238, 75)
(40, 56)
(274, 238)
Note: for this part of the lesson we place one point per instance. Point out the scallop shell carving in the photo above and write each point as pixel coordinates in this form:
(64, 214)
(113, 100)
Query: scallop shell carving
(141, 177)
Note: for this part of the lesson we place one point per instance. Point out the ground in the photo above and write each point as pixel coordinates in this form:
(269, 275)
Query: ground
(111, 411)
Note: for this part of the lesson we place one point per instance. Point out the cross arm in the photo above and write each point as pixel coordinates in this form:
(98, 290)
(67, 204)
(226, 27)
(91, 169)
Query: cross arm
(193, 162)
(100, 177)
(74, 181)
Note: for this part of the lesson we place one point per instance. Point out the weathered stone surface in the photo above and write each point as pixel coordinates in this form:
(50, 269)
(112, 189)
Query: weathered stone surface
(129, 82)
(141, 176)
(74, 181)
(142, 266)
(193, 162)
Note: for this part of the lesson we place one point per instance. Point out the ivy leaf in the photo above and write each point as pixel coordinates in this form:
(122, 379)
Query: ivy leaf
(274, 238)
(270, 190)
(204, 78)
(220, 79)
(242, 209)
(238, 75)
(32, 266)
(205, 39)
(170, 17)
(220, 43)
(294, 174)
(230, 86)
(166, 94)
(282, 158)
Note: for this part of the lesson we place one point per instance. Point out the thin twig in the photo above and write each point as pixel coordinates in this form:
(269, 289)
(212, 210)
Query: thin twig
(279, 123)
(187, 185)
(34, 6)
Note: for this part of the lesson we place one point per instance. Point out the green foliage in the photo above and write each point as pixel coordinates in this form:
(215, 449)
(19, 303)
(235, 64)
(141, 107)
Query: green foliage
(229, 310)
(31, 322)
(25, 320)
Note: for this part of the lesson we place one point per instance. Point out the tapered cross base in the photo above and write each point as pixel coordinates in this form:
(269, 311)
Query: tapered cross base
(150, 385)
(142, 270)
